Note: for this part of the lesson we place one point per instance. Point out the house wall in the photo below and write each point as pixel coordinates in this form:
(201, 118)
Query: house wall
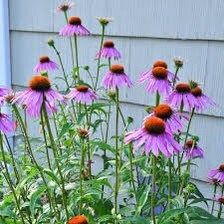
(143, 30)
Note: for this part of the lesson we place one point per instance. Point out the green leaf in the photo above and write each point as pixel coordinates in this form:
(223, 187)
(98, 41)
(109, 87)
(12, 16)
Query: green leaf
(52, 175)
(34, 197)
(143, 199)
(64, 129)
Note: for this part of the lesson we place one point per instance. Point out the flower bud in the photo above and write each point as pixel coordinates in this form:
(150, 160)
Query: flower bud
(149, 109)
(178, 62)
(112, 94)
(44, 73)
(190, 188)
(193, 84)
(50, 42)
(130, 120)
(86, 67)
(104, 20)
(82, 133)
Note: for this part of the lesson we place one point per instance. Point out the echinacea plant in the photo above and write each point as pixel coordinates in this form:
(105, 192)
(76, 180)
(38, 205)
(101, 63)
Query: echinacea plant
(88, 164)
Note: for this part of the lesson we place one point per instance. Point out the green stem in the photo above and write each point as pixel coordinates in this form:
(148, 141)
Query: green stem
(82, 161)
(99, 58)
(220, 211)
(12, 158)
(169, 184)
(54, 149)
(185, 140)
(214, 194)
(7, 178)
(62, 66)
(157, 98)
(87, 142)
(117, 153)
(45, 140)
(70, 41)
(77, 57)
(175, 77)
(153, 189)
(132, 172)
(30, 152)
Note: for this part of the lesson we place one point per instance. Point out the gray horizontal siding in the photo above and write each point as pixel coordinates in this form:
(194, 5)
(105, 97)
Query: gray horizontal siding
(138, 54)
(205, 127)
(175, 19)
(143, 31)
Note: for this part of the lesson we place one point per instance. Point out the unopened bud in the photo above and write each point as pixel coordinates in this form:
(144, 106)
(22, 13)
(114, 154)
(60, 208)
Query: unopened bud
(50, 42)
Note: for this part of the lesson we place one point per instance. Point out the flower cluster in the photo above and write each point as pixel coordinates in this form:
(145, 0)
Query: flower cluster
(163, 140)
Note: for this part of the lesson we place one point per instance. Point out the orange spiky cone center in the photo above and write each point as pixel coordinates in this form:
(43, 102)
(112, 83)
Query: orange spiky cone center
(197, 91)
(160, 63)
(154, 125)
(159, 73)
(108, 44)
(183, 88)
(82, 88)
(163, 111)
(117, 69)
(221, 168)
(74, 20)
(40, 83)
(44, 59)
(79, 219)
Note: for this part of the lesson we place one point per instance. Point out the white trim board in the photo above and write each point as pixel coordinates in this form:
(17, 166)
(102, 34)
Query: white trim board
(5, 67)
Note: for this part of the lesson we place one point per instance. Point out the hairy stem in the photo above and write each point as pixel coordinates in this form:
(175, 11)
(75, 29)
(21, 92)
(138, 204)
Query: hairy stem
(117, 153)
(99, 58)
(54, 149)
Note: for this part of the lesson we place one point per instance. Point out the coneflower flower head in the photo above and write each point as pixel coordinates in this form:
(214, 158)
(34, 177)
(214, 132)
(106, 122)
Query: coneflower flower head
(45, 64)
(172, 118)
(220, 200)
(104, 21)
(6, 124)
(202, 101)
(3, 93)
(182, 96)
(74, 27)
(217, 174)
(192, 150)
(39, 92)
(79, 219)
(154, 138)
(82, 94)
(65, 6)
(116, 78)
(109, 51)
(145, 76)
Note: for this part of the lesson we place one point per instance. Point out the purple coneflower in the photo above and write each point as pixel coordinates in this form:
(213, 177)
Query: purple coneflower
(217, 174)
(213, 181)
(219, 199)
(82, 94)
(65, 6)
(45, 64)
(170, 116)
(74, 27)
(157, 81)
(3, 93)
(154, 137)
(39, 92)
(109, 51)
(145, 76)
(182, 96)
(192, 150)
(116, 78)
(202, 101)
(6, 124)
